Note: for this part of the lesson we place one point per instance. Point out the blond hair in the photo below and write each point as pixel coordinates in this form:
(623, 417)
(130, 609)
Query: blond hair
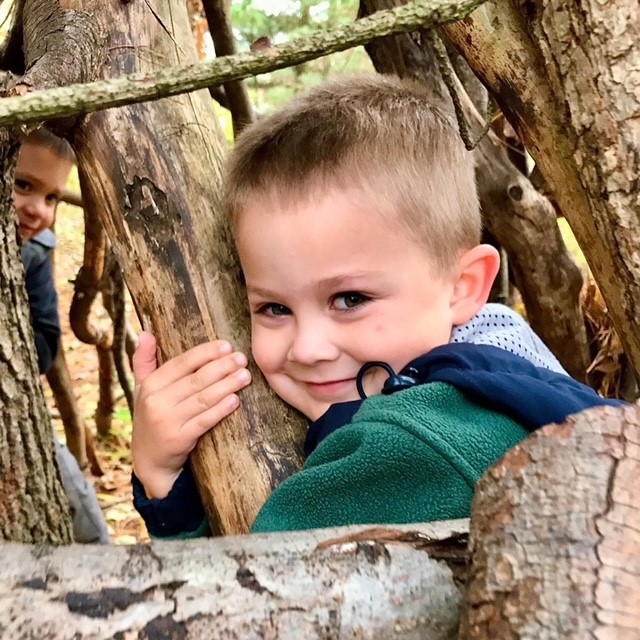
(377, 135)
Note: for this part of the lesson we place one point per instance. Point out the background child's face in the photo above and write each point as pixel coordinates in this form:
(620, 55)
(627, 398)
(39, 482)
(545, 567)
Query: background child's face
(331, 287)
(41, 177)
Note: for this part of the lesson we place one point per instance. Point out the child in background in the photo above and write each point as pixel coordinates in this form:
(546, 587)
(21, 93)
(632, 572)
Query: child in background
(43, 168)
(357, 223)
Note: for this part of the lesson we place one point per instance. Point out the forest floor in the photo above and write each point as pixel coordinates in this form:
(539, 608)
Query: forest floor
(114, 487)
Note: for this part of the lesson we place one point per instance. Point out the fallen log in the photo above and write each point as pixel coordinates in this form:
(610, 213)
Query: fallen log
(554, 555)
(350, 582)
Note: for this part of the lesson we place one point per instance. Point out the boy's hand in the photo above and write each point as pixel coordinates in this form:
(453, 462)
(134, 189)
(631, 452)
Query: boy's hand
(178, 402)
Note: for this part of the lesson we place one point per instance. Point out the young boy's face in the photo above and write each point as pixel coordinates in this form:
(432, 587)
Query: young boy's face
(41, 177)
(332, 286)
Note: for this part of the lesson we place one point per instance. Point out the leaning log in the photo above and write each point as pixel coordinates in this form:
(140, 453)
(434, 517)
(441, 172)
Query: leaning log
(331, 583)
(555, 535)
(565, 75)
(152, 172)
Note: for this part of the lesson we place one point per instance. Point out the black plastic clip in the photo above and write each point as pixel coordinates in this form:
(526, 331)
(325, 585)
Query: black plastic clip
(395, 381)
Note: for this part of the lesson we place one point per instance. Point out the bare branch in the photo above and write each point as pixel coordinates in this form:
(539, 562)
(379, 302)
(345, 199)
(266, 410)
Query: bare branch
(220, 28)
(142, 87)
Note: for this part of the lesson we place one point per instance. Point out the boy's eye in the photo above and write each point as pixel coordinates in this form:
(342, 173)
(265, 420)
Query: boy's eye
(274, 309)
(22, 185)
(51, 199)
(349, 300)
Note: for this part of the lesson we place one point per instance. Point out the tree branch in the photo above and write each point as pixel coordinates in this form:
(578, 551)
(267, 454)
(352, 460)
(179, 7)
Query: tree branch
(221, 30)
(141, 87)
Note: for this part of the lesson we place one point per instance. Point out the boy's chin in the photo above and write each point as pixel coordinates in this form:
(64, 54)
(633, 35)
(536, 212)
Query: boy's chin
(25, 234)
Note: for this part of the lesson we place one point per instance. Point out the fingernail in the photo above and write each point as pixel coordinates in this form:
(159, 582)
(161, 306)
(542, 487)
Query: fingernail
(225, 348)
(244, 375)
(241, 359)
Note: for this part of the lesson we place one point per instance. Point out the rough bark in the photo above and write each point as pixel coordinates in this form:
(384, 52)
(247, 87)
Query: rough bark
(555, 535)
(159, 164)
(521, 219)
(296, 586)
(566, 77)
(33, 505)
(140, 87)
(60, 47)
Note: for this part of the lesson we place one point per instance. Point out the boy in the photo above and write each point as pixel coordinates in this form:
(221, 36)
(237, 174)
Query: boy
(42, 171)
(357, 223)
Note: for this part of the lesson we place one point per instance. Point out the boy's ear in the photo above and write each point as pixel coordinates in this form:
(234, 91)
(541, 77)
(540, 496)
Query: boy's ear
(476, 271)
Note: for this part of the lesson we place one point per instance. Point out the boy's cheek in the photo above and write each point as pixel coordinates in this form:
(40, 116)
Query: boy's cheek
(263, 348)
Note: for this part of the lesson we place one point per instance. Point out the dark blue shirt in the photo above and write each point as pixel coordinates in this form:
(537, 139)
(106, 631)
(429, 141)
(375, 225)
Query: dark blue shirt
(43, 298)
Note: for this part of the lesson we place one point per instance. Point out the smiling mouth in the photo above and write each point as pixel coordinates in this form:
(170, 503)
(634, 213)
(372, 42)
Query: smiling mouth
(332, 387)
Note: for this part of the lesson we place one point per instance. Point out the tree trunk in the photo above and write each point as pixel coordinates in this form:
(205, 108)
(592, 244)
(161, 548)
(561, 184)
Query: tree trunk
(566, 79)
(159, 165)
(555, 535)
(297, 586)
(522, 220)
(33, 505)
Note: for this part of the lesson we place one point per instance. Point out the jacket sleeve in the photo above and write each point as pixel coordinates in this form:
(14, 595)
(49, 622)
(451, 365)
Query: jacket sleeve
(414, 456)
(43, 304)
(180, 515)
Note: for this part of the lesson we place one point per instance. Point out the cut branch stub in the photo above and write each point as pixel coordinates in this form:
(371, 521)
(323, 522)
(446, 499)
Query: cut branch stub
(555, 534)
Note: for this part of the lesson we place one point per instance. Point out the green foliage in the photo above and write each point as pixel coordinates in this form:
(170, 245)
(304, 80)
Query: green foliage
(284, 20)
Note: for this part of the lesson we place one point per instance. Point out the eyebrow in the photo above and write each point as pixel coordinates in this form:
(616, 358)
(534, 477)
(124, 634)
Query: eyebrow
(342, 281)
(348, 280)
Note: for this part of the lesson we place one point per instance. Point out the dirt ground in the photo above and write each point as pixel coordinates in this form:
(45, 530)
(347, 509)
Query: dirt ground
(114, 487)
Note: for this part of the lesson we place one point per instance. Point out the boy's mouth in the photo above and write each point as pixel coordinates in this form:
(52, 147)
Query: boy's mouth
(331, 387)
(26, 230)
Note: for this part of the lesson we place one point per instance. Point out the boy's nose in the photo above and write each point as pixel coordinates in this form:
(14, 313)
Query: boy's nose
(34, 208)
(313, 342)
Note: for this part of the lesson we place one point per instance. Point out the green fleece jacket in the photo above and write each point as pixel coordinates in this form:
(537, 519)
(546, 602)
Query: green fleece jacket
(413, 456)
